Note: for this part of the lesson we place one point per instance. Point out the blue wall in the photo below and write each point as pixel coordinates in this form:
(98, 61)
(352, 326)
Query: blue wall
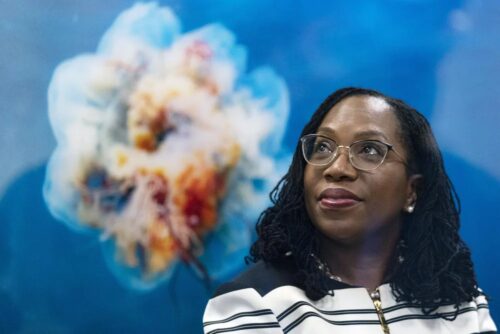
(440, 56)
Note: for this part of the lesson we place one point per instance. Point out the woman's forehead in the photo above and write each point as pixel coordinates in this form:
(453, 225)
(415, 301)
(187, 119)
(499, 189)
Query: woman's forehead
(362, 115)
(366, 103)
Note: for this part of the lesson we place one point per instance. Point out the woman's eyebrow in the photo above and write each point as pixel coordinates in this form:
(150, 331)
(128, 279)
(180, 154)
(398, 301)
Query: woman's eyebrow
(370, 133)
(363, 133)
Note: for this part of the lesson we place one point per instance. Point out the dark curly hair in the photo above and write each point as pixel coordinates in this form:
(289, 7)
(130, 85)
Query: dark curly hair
(437, 269)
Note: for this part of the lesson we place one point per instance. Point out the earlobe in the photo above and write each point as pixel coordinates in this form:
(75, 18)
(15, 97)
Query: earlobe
(411, 194)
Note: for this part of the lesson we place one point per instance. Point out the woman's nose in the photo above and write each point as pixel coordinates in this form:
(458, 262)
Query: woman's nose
(341, 168)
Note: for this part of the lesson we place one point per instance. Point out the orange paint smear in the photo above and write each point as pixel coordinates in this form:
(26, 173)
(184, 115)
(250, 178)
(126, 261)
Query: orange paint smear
(200, 197)
(145, 141)
(162, 247)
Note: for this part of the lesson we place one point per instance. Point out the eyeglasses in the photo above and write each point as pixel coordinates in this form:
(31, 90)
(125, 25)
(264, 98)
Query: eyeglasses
(364, 155)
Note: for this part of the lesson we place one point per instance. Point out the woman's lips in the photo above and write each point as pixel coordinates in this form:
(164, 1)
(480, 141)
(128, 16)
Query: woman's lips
(337, 203)
(337, 198)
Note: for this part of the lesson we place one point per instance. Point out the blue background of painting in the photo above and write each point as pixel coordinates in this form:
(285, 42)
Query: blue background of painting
(439, 56)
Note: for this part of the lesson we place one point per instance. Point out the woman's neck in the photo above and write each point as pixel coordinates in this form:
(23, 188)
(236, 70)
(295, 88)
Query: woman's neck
(364, 264)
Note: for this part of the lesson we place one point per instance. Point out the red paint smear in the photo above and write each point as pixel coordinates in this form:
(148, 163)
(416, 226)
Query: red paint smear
(200, 49)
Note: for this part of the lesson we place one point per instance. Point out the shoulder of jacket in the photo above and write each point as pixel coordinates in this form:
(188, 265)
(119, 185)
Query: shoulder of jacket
(262, 277)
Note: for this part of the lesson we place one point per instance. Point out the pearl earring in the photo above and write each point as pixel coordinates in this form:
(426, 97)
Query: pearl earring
(411, 208)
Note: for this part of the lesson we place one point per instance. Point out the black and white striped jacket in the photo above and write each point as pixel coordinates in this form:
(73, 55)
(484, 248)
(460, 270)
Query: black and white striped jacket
(266, 299)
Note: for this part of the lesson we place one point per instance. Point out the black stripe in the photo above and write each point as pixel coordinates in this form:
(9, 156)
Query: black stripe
(297, 321)
(296, 305)
(430, 316)
(400, 306)
(246, 326)
(488, 332)
(239, 315)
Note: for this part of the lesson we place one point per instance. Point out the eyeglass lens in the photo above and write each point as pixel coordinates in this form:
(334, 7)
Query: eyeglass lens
(365, 155)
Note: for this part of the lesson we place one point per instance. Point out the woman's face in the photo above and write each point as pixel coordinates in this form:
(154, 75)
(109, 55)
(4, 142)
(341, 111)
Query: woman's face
(348, 205)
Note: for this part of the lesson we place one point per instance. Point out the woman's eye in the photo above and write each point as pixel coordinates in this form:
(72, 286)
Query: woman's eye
(322, 147)
(370, 149)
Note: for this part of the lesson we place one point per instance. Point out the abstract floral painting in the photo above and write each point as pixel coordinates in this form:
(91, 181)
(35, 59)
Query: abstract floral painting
(167, 147)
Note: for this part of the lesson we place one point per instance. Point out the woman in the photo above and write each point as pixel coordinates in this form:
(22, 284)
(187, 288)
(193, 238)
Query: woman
(362, 236)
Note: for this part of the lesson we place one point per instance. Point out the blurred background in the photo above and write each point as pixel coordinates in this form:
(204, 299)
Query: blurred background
(442, 57)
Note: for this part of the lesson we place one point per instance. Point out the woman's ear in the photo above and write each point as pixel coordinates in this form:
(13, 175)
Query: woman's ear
(411, 192)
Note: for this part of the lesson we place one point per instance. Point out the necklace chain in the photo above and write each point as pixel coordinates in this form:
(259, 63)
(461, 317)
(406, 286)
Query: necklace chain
(323, 267)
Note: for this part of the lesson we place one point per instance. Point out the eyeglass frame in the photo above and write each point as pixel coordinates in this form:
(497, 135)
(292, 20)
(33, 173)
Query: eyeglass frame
(348, 147)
